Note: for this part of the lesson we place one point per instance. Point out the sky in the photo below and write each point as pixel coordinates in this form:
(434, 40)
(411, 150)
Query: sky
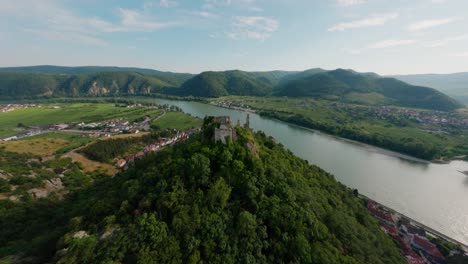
(382, 36)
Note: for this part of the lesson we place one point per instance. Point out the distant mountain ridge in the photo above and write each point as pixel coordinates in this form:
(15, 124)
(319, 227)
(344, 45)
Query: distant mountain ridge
(343, 85)
(454, 84)
(20, 85)
(170, 77)
(340, 84)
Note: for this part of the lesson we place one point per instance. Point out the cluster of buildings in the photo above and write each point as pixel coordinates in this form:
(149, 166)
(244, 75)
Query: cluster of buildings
(11, 107)
(413, 241)
(122, 163)
(118, 126)
(434, 118)
(233, 105)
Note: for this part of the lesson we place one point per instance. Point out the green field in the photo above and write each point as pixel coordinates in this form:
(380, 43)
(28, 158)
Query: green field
(6, 133)
(77, 112)
(177, 120)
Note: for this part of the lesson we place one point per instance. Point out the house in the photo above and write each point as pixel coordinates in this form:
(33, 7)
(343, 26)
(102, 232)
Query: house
(414, 258)
(427, 248)
(60, 126)
(10, 138)
(120, 163)
(382, 216)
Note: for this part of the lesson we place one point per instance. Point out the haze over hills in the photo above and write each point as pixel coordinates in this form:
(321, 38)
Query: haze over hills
(343, 85)
(454, 84)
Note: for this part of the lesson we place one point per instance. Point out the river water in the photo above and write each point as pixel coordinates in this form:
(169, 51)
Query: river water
(433, 194)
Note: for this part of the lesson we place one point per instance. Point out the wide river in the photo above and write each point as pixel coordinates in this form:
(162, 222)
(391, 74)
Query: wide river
(433, 194)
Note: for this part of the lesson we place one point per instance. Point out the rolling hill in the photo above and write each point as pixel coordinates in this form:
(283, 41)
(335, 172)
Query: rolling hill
(455, 84)
(215, 84)
(349, 86)
(176, 79)
(17, 85)
(344, 85)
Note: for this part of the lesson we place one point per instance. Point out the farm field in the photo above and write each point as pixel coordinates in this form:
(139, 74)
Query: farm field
(76, 112)
(40, 147)
(177, 120)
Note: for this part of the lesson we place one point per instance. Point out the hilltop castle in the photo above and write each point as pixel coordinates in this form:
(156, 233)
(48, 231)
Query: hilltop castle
(226, 128)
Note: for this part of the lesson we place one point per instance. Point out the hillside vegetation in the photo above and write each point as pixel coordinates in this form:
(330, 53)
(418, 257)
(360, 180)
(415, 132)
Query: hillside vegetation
(339, 83)
(455, 84)
(247, 201)
(343, 85)
(31, 85)
(169, 77)
(216, 84)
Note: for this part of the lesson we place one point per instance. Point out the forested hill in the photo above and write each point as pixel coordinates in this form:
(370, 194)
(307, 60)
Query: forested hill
(455, 84)
(368, 88)
(18, 85)
(245, 202)
(215, 84)
(176, 79)
(343, 85)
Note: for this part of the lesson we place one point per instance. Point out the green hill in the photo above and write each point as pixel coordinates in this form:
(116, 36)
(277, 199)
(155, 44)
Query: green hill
(349, 86)
(250, 201)
(176, 79)
(344, 85)
(30, 85)
(215, 84)
(454, 84)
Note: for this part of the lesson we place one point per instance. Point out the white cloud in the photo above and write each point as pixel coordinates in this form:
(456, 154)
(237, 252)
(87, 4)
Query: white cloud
(374, 20)
(204, 14)
(438, 1)
(49, 19)
(133, 20)
(252, 27)
(350, 2)
(389, 43)
(425, 24)
(168, 3)
(212, 4)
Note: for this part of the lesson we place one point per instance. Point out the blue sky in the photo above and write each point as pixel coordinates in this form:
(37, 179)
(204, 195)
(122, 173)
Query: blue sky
(387, 37)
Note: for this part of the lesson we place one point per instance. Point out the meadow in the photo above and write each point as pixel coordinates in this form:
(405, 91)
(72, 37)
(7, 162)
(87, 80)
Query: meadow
(177, 120)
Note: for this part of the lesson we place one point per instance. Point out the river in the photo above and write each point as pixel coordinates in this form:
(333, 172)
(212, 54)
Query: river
(433, 194)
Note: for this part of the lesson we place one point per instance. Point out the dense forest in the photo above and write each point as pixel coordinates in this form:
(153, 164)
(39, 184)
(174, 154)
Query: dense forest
(246, 201)
(343, 85)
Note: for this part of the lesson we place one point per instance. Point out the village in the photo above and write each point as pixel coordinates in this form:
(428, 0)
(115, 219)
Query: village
(233, 105)
(154, 147)
(11, 107)
(413, 238)
(92, 129)
(427, 119)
